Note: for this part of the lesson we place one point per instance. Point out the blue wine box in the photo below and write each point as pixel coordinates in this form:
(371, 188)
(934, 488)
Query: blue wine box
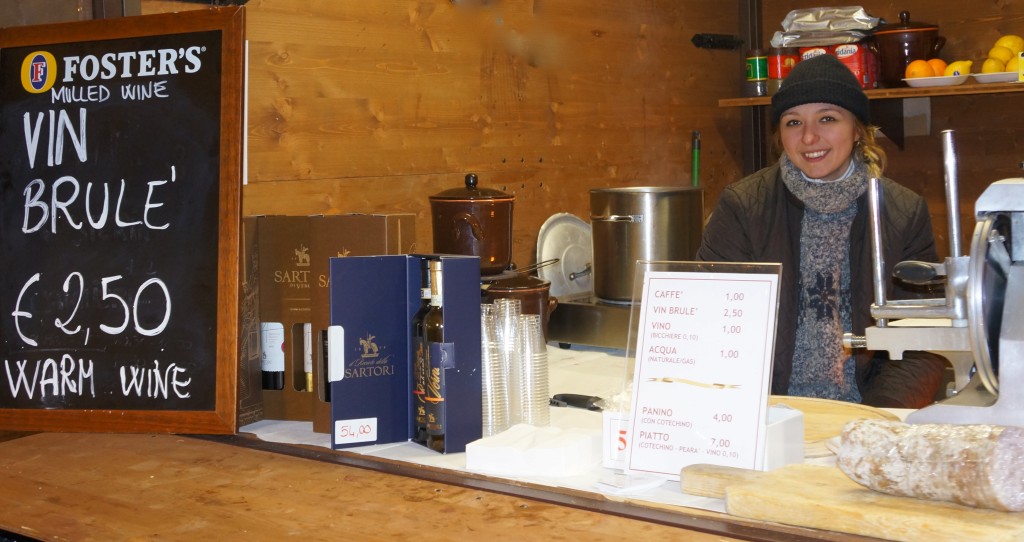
(370, 349)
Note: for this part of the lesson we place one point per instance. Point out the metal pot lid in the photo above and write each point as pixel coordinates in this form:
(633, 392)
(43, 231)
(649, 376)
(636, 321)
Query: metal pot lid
(472, 192)
(643, 189)
(570, 239)
(903, 26)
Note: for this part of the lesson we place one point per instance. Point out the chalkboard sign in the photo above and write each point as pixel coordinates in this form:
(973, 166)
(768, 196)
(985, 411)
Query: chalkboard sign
(120, 190)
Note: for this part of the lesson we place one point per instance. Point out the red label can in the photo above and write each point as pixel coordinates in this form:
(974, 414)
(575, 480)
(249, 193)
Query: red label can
(811, 52)
(857, 57)
(781, 61)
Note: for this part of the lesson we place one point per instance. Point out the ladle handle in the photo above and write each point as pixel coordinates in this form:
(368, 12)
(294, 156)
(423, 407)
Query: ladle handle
(538, 265)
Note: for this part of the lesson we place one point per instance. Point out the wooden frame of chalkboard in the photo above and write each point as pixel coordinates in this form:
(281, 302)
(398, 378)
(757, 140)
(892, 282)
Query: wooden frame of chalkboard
(120, 214)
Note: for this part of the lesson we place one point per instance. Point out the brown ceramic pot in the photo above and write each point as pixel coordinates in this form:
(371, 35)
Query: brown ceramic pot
(474, 221)
(897, 44)
(532, 292)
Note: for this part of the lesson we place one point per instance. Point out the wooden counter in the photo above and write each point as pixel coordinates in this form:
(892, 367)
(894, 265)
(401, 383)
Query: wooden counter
(80, 486)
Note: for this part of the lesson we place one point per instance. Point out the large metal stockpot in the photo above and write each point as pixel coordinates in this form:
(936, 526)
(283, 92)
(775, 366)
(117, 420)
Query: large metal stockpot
(641, 223)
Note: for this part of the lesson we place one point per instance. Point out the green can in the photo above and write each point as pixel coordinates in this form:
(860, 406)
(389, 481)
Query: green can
(757, 65)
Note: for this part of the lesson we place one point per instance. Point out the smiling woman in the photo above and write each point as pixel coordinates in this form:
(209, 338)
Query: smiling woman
(819, 139)
(808, 212)
(818, 110)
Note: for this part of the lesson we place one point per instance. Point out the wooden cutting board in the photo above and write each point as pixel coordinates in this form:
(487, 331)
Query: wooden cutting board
(824, 419)
(824, 498)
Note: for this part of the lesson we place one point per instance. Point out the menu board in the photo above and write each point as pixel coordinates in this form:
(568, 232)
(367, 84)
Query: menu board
(120, 190)
(703, 369)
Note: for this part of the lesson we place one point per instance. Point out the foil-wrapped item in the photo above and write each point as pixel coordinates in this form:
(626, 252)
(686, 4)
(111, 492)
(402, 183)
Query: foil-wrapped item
(812, 39)
(847, 18)
(824, 26)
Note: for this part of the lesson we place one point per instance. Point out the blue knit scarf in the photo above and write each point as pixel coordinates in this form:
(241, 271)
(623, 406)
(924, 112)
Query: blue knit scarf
(821, 366)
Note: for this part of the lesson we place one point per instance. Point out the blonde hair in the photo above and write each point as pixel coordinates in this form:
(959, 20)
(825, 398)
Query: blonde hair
(870, 151)
(866, 148)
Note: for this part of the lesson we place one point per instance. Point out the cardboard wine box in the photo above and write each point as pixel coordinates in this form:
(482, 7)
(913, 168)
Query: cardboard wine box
(284, 261)
(250, 392)
(342, 236)
(373, 301)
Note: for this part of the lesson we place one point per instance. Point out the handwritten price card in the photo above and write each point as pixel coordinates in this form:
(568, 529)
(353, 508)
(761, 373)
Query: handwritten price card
(703, 369)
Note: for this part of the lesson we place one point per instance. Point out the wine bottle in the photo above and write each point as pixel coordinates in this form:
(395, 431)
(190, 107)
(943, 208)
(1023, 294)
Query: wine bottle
(433, 330)
(307, 354)
(272, 355)
(419, 367)
(325, 367)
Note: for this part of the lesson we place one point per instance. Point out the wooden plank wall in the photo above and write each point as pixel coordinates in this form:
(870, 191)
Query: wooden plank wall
(988, 129)
(375, 106)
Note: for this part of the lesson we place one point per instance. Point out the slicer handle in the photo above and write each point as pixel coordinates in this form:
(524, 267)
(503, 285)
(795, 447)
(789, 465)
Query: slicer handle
(922, 273)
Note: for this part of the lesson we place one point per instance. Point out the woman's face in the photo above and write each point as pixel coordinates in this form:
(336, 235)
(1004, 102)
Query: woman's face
(819, 138)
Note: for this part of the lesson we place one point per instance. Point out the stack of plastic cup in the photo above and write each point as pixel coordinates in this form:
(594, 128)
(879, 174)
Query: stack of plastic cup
(507, 312)
(492, 374)
(531, 370)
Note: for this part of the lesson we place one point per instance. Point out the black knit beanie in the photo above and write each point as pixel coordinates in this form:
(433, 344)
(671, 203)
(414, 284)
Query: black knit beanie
(821, 79)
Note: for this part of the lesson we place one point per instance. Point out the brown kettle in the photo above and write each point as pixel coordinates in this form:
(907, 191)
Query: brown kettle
(474, 221)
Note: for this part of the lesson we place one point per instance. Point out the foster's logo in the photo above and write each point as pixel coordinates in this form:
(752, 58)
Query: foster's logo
(38, 72)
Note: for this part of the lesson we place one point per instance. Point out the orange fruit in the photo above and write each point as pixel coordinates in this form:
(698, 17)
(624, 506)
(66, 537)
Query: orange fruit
(938, 65)
(919, 68)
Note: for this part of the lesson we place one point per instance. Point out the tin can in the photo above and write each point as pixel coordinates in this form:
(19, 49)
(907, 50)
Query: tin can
(757, 65)
(780, 62)
(811, 52)
(757, 73)
(860, 60)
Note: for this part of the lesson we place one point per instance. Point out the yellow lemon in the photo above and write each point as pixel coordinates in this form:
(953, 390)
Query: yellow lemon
(960, 67)
(1000, 53)
(1011, 66)
(992, 65)
(1012, 42)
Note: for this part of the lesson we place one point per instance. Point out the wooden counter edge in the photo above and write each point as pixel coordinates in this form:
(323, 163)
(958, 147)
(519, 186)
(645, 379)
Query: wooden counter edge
(665, 514)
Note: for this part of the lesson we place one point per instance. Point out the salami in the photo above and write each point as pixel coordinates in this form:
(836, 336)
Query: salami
(974, 465)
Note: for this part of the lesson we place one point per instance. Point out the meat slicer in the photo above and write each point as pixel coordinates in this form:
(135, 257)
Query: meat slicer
(977, 326)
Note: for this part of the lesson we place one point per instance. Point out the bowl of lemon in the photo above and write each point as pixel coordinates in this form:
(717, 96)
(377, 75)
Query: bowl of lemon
(1003, 62)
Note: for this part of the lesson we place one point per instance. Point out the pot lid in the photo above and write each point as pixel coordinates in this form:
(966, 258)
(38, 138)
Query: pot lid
(568, 238)
(519, 281)
(903, 26)
(472, 192)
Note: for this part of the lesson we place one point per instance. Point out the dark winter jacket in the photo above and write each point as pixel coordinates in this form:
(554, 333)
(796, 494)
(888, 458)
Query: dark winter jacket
(758, 220)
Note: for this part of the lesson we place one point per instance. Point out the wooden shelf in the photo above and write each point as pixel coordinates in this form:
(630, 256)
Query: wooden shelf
(887, 103)
(905, 92)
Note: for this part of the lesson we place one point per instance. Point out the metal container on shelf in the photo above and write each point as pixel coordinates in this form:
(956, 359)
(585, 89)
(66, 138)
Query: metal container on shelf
(641, 223)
